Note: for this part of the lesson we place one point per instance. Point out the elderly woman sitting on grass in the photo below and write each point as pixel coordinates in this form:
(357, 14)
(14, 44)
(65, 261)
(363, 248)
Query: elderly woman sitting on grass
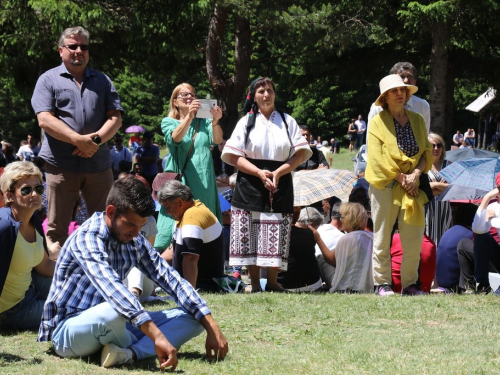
(348, 268)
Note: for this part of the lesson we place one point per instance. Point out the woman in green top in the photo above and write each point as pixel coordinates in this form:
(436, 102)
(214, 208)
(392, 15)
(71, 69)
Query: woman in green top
(179, 128)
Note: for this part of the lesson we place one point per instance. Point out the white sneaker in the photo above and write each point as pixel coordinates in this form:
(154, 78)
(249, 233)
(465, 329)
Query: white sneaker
(112, 355)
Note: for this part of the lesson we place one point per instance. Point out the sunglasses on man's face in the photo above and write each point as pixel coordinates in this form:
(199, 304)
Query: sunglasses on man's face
(74, 47)
(27, 190)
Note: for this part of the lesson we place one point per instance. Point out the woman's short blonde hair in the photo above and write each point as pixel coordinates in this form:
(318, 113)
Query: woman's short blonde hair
(173, 111)
(354, 217)
(433, 137)
(16, 171)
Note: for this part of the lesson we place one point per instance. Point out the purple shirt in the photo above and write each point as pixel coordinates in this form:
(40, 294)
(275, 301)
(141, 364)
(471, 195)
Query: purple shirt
(83, 110)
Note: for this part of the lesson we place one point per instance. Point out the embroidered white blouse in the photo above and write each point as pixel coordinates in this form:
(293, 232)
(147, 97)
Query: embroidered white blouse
(267, 140)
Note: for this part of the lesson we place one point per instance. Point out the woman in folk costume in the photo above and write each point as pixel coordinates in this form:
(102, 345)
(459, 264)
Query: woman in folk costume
(398, 153)
(266, 146)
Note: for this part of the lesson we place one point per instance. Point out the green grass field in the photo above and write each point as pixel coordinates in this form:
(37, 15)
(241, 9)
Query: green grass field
(272, 333)
(343, 160)
(300, 334)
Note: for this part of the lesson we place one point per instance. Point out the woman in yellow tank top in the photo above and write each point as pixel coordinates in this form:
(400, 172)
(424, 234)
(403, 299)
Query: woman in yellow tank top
(26, 270)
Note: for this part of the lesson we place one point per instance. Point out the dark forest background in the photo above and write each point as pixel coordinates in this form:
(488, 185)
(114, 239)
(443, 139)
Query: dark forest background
(326, 57)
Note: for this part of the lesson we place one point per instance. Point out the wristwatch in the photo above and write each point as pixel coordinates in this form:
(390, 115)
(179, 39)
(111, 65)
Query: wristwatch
(97, 139)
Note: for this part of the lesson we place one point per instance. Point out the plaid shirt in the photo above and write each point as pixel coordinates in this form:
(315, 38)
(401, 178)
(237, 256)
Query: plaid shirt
(90, 270)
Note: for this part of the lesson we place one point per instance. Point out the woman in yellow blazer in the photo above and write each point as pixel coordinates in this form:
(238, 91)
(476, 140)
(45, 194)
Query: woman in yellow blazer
(398, 152)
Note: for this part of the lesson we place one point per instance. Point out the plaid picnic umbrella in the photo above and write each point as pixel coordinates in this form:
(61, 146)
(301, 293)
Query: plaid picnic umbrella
(467, 153)
(474, 173)
(313, 186)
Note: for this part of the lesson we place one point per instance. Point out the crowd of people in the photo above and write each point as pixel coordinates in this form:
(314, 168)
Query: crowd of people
(82, 283)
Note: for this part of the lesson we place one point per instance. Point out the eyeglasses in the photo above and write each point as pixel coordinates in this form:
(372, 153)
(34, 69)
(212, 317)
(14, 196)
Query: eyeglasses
(185, 95)
(28, 190)
(118, 140)
(437, 145)
(74, 47)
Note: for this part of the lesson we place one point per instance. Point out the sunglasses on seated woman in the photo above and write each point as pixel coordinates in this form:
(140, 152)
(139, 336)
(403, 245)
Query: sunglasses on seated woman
(27, 190)
(437, 145)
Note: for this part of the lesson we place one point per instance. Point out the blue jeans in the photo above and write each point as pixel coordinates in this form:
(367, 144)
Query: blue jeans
(88, 332)
(471, 141)
(27, 314)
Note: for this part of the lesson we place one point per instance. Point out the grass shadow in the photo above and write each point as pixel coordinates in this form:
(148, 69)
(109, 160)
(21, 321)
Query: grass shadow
(192, 356)
(10, 358)
(151, 364)
(196, 356)
(5, 331)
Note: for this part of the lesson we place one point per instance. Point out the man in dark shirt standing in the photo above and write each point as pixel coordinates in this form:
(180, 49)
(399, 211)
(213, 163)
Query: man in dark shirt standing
(79, 110)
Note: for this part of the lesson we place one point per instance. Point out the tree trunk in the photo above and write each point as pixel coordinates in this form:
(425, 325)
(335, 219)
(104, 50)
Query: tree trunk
(229, 90)
(439, 80)
(450, 103)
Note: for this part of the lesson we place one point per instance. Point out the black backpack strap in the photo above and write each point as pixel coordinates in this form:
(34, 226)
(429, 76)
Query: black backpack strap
(250, 125)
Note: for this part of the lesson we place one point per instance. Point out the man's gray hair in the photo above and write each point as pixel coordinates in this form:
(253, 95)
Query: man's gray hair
(174, 189)
(401, 67)
(72, 31)
(335, 211)
(310, 215)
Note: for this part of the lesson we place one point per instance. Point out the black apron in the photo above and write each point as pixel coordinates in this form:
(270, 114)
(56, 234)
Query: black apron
(250, 193)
